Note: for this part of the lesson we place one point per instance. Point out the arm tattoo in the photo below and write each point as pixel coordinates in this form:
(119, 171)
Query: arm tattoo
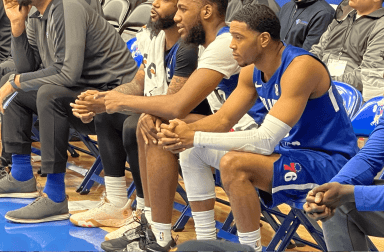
(135, 87)
(176, 84)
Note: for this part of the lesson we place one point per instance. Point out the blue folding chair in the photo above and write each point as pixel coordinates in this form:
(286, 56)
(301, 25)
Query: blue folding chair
(368, 116)
(351, 96)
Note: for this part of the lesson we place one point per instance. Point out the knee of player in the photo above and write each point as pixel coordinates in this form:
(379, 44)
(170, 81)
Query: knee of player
(231, 169)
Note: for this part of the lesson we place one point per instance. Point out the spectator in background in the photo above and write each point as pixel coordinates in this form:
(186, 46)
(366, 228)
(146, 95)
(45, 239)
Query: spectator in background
(354, 198)
(304, 21)
(353, 46)
(235, 5)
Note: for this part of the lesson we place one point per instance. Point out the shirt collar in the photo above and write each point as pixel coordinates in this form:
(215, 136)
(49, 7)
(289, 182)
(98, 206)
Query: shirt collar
(45, 16)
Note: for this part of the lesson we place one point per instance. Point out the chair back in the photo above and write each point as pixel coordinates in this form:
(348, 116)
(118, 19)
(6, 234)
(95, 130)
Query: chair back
(116, 11)
(368, 116)
(351, 96)
(139, 17)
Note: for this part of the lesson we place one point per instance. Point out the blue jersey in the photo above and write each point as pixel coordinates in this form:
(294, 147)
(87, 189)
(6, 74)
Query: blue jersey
(170, 61)
(324, 125)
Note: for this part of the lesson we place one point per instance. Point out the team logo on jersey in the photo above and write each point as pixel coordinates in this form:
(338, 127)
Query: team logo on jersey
(378, 110)
(277, 90)
(293, 169)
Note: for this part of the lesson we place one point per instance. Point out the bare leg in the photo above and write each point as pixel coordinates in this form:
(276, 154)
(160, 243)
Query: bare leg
(241, 173)
(143, 166)
(162, 176)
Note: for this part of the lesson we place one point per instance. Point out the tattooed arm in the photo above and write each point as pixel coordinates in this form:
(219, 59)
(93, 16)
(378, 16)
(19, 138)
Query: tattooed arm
(135, 87)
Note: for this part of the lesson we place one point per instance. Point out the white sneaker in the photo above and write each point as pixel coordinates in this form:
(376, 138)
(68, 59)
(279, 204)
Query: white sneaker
(105, 214)
(132, 222)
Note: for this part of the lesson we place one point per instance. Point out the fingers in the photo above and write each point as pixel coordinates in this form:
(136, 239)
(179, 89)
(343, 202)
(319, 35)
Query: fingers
(319, 197)
(172, 124)
(144, 136)
(166, 134)
(158, 123)
(85, 118)
(168, 143)
(322, 188)
(101, 95)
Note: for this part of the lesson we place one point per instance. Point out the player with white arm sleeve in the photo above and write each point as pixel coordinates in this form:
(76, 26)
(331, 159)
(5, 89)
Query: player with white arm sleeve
(304, 140)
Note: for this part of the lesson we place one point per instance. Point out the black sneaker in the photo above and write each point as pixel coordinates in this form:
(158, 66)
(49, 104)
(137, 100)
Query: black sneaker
(148, 243)
(152, 245)
(130, 236)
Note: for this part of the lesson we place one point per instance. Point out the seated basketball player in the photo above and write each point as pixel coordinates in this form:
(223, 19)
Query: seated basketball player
(305, 138)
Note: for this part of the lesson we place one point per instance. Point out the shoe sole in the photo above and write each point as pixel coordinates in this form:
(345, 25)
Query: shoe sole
(101, 223)
(51, 218)
(30, 195)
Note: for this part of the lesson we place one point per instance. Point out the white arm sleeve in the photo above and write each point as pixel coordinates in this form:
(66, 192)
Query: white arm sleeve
(261, 141)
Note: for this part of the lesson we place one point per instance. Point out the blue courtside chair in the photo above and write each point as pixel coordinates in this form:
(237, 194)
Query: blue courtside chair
(366, 119)
(351, 96)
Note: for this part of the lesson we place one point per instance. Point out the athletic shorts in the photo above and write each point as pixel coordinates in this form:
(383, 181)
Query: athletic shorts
(298, 171)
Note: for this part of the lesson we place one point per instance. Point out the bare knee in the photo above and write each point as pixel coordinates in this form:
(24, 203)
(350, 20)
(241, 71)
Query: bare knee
(231, 170)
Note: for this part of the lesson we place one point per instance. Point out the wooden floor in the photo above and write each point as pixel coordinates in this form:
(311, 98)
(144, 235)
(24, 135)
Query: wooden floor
(74, 179)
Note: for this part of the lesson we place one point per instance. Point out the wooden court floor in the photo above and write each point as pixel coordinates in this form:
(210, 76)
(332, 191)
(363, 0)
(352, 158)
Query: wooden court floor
(73, 179)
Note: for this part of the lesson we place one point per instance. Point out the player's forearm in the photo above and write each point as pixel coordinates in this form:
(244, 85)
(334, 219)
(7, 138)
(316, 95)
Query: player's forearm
(212, 123)
(167, 107)
(135, 87)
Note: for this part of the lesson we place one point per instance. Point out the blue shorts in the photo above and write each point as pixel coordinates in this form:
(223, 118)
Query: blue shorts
(298, 171)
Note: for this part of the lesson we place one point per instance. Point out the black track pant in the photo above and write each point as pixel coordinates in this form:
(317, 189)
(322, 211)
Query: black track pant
(51, 104)
(7, 67)
(116, 135)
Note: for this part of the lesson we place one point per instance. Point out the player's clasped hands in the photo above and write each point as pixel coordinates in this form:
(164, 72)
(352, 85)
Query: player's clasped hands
(176, 136)
(323, 200)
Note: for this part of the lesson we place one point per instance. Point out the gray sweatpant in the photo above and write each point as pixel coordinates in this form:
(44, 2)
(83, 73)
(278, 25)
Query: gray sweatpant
(347, 229)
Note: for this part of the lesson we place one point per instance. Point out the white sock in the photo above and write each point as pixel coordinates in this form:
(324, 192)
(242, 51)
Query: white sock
(116, 188)
(252, 239)
(148, 214)
(140, 203)
(162, 233)
(205, 225)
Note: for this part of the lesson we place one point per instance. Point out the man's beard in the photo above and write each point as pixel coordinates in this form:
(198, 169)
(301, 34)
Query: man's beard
(196, 35)
(161, 24)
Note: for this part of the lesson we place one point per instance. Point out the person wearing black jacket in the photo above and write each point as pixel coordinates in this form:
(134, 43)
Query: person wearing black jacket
(304, 21)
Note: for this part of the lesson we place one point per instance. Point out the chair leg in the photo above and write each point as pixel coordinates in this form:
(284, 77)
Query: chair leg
(91, 176)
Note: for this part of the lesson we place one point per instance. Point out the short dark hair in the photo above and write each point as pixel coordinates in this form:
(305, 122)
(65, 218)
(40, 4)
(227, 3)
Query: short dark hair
(221, 5)
(260, 18)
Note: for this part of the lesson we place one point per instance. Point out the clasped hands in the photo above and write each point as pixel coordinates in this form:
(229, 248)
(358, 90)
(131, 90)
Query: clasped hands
(174, 137)
(323, 200)
(92, 102)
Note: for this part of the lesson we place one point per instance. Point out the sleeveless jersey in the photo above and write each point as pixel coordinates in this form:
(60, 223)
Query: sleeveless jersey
(324, 125)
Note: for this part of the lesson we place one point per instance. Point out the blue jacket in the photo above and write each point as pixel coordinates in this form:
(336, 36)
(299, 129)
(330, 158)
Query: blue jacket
(362, 169)
(303, 22)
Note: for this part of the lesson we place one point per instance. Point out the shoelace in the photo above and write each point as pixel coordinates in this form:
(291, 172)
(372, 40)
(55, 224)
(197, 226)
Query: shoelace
(102, 198)
(130, 219)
